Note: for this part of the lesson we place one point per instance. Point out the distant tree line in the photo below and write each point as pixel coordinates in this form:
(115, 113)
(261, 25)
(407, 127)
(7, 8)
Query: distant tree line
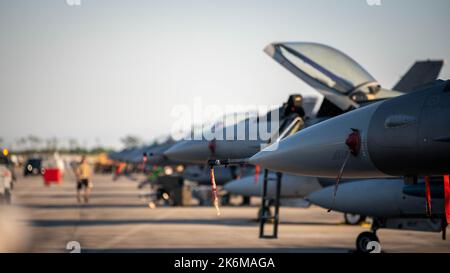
(35, 144)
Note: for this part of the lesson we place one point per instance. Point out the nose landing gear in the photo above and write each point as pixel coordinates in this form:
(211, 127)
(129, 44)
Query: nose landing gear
(363, 240)
(367, 241)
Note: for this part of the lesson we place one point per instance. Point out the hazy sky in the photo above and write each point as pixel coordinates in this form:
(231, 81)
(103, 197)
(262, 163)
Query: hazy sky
(107, 68)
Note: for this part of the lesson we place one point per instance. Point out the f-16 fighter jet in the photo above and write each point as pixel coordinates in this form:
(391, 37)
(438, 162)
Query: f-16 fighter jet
(407, 136)
(404, 136)
(343, 82)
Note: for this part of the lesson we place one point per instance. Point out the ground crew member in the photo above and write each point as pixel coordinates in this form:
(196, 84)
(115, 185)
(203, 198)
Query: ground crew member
(84, 183)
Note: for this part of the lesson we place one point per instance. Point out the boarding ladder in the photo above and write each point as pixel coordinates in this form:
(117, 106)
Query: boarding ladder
(287, 128)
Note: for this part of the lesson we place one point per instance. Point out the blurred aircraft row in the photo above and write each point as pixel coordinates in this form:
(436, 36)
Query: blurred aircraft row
(390, 147)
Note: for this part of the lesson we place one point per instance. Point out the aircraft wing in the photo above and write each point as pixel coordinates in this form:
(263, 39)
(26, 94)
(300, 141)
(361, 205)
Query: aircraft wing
(422, 72)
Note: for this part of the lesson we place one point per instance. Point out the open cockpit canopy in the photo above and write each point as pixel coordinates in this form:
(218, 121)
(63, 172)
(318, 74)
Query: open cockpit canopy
(334, 74)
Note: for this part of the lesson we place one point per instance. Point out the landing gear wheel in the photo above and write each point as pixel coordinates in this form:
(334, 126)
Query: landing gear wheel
(354, 219)
(363, 239)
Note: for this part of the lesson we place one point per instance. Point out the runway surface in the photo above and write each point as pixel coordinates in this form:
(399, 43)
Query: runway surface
(116, 220)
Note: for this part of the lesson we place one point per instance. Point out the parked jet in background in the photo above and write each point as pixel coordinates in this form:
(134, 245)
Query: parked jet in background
(292, 187)
(201, 174)
(199, 151)
(389, 202)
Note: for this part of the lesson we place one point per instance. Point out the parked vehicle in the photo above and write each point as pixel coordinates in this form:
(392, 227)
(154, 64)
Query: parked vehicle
(6, 182)
(33, 166)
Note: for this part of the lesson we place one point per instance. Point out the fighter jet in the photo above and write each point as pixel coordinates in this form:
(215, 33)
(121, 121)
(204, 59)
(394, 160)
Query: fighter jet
(247, 138)
(166, 173)
(394, 206)
(406, 136)
(344, 83)
(120, 155)
(319, 65)
(149, 154)
(154, 155)
(292, 187)
(135, 156)
(403, 136)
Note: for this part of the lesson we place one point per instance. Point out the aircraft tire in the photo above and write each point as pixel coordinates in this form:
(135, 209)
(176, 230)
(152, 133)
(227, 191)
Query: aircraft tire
(363, 239)
(354, 219)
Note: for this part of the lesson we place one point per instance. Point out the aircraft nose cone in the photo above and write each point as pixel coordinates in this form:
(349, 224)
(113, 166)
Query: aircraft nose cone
(154, 159)
(278, 157)
(234, 187)
(322, 198)
(321, 149)
(192, 151)
(245, 186)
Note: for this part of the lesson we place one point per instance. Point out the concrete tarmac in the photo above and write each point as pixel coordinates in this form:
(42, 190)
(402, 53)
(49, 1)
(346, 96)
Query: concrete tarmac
(117, 220)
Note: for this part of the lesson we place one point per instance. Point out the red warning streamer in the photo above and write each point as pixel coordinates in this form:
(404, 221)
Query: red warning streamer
(257, 172)
(214, 191)
(428, 195)
(447, 196)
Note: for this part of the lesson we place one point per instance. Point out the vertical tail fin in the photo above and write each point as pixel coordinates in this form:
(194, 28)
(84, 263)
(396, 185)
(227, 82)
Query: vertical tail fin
(422, 72)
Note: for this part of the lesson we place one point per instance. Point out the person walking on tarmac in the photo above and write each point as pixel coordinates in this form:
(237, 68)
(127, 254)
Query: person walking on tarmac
(84, 183)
